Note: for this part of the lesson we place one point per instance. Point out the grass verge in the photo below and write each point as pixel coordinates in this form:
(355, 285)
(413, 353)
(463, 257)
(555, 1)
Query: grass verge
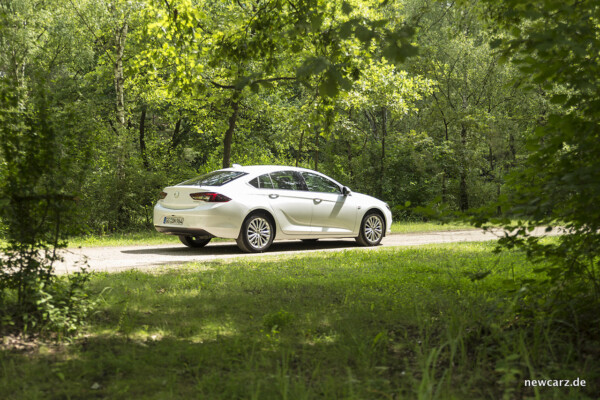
(148, 237)
(434, 322)
(421, 227)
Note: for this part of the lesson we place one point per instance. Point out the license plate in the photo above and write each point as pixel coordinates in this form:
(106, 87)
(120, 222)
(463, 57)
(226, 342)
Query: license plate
(173, 220)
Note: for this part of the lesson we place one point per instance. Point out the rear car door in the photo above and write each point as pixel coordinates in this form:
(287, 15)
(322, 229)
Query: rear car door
(289, 199)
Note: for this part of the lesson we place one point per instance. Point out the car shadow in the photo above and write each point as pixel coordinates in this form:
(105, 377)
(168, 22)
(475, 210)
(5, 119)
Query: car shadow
(232, 248)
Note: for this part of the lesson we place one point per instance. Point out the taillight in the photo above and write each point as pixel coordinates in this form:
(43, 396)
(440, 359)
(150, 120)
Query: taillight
(162, 195)
(210, 197)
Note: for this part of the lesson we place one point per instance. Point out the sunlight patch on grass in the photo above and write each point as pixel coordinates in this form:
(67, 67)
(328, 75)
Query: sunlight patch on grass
(123, 239)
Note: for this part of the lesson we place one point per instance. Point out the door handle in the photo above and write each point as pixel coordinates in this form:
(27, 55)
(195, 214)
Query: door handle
(273, 196)
(317, 201)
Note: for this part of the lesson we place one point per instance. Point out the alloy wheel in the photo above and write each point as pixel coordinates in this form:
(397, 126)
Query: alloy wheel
(373, 228)
(258, 233)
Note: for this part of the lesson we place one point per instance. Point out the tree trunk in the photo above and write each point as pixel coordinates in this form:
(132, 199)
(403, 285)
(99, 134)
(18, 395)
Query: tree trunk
(349, 153)
(143, 139)
(463, 194)
(498, 192)
(349, 150)
(299, 154)
(383, 135)
(445, 166)
(512, 150)
(176, 138)
(120, 35)
(318, 133)
(119, 81)
(235, 106)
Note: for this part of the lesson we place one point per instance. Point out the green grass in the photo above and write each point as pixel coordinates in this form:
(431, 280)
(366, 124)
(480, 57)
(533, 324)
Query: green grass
(153, 237)
(123, 239)
(416, 323)
(416, 227)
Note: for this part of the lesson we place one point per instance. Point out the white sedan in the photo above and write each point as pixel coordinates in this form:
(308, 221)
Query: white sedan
(258, 204)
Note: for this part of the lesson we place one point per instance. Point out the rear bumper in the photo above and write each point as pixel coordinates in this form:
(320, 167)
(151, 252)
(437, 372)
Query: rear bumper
(170, 230)
(222, 220)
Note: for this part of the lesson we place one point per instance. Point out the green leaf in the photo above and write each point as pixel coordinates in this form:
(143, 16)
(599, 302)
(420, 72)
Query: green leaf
(495, 43)
(345, 29)
(363, 33)
(559, 99)
(267, 84)
(346, 8)
(329, 86)
(316, 20)
(313, 66)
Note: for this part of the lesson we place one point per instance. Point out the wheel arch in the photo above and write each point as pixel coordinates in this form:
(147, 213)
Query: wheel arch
(266, 213)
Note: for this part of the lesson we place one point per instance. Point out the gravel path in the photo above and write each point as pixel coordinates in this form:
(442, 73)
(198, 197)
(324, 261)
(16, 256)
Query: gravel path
(142, 257)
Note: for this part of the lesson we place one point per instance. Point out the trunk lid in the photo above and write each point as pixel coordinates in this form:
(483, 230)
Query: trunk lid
(178, 197)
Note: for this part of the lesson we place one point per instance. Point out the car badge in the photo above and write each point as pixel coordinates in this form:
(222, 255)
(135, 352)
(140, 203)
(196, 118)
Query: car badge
(176, 194)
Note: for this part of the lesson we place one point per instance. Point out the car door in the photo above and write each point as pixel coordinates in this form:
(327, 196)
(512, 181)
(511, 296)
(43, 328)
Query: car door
(333, 213)
(290, 201)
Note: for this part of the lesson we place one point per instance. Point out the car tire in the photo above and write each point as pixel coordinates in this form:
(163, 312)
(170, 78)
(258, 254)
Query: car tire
(372, 229)
(194, 241)
(257, 233)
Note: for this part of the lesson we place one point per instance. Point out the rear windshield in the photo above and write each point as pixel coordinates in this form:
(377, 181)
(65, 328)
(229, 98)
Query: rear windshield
(216, 178)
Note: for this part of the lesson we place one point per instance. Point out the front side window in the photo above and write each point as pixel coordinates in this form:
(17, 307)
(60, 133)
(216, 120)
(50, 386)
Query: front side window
(318, 183)
(216, 178)
(287, 180)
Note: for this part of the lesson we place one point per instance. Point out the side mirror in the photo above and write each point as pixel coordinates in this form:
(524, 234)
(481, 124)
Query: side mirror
(346, 191)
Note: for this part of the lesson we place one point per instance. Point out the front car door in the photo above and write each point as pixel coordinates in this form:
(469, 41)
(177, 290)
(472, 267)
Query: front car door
(333, 213)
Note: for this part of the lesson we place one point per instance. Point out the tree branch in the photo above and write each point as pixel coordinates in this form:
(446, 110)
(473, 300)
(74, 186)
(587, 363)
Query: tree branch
(234, 87)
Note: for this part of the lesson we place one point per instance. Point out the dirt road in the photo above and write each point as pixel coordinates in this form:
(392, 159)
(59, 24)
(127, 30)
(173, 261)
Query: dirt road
(114, 259)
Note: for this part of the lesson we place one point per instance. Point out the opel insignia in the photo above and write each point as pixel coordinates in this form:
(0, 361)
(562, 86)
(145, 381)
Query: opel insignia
(258, 204)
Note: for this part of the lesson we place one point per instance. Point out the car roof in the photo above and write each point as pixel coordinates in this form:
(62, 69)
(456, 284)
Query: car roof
(256, 170)
(263, 169)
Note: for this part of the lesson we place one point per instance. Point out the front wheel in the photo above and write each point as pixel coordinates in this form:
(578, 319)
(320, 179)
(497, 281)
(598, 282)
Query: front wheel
(371, 230)
(257, 234)
(194, 241)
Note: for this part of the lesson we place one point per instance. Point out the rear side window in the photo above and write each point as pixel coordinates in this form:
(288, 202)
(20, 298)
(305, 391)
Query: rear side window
(262, 182)
(287, 180)
(216, 178)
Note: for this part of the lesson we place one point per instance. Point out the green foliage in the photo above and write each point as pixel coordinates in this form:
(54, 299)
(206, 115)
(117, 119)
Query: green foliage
(554, 46)
(37, 215)
(160, 91)
(39, 177)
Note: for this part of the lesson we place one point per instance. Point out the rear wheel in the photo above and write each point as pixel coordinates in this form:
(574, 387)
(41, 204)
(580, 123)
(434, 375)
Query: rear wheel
(194, 241)
(257, 233)
(371, 230)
